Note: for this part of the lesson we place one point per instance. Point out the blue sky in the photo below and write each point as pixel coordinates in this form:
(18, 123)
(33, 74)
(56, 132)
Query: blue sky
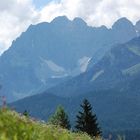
(40, 3)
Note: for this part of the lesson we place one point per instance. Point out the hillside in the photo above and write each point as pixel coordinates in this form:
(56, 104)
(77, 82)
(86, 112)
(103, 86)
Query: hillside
(14, 126)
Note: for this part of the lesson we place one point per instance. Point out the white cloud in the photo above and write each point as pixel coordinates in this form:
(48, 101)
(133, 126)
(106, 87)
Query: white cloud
(17, 15)
(94, 12)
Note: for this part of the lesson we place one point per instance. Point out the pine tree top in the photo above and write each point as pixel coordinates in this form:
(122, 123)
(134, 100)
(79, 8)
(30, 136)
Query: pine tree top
(87, 120)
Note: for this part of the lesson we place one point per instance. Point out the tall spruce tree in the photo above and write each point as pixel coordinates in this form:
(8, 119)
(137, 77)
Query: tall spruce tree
(87, 121)
(60, 118)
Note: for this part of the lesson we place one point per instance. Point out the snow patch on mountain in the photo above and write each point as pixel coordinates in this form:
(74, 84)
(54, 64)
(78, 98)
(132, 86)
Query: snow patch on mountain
(59, 76)
(96, 75)
(83, 63)
(54, 67)
(132, 70)
(49, 69)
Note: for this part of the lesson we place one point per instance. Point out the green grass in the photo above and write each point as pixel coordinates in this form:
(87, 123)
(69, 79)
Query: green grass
(14, 126)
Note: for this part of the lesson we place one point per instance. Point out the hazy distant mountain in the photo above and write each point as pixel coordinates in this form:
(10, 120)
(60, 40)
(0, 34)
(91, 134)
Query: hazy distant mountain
(111, 85)
(123, 30)
(116, 68)
(49, 53)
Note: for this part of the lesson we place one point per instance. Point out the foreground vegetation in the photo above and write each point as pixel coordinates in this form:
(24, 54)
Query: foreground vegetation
(14, 126)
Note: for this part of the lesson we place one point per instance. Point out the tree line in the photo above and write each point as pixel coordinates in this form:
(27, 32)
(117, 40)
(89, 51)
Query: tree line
(86, 120)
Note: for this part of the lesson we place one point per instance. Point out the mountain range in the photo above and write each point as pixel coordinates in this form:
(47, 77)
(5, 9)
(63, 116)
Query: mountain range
(51, 53)
(64, 61)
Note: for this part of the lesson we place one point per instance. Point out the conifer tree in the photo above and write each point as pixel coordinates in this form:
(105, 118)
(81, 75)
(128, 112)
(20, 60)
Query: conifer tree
(25, 113)
(60, 118)
(87, 121)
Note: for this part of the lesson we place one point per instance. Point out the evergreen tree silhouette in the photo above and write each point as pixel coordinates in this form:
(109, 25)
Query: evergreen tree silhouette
(60, 118)
(87, 121)
(26, 113)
